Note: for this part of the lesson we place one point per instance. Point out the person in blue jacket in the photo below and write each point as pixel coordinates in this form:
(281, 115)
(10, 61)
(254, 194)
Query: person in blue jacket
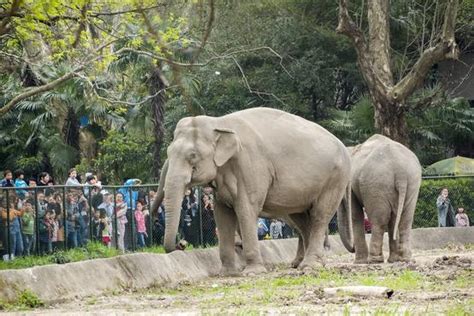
(20, 183)
(125, 190)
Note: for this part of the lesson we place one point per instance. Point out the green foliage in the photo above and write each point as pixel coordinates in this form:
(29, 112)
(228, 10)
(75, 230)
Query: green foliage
(461, 194)
(119, 156)
(93, 250)
(25, 300)
(29, 299)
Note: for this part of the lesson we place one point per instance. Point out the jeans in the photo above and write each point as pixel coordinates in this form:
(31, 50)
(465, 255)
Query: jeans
(72, 239)
(28, 244)
(141, 240)
(16, 243)
(46, 247)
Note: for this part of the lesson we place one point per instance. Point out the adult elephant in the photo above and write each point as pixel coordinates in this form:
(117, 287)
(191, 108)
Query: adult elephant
(386, 178)
(258, 159)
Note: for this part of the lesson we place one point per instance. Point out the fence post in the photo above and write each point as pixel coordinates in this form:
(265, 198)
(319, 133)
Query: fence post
(65, 214)
(150, 218)
(8, 226)
(37, 241)
(132, 219)
(201, 233)
(115, 224)
(89, 198)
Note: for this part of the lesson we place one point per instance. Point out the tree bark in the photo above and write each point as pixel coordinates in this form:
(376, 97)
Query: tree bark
(157, 82)
(374, 61)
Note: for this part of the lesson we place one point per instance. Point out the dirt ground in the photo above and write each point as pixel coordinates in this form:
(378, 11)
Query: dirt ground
(440, 282)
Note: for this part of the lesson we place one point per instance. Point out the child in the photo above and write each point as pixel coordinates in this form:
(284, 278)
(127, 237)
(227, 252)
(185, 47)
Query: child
(27, 227)
(14, 215)
(96, 226)
(462, 220)
(104, 230)
(54, 230)
(141, 227)
(45, 233)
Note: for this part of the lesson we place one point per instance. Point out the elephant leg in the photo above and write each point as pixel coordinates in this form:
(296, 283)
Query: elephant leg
(247, 221)
(360, 245)
(238, 237)
(226, 224)
(406, 222)
(300, 222)
(320, 215)
(392, 243)
(376, 243)
(327, 245)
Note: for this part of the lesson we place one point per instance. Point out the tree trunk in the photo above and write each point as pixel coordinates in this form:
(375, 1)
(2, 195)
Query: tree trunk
(374, 61)
(157, 83)
(71, 131)
(390, 120)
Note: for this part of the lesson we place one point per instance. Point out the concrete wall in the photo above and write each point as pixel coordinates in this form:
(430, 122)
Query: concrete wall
(61, 282)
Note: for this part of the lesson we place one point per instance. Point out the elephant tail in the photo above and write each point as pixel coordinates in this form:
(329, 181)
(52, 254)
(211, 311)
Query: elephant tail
(344, 221)
(402, 192)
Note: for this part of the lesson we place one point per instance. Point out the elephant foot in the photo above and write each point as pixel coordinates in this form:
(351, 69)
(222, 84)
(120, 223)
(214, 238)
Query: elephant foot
(376, 259)
(309, 264)
(396, 258)
(361, 260)
(296, 262)
(229, 271)
(254, 269)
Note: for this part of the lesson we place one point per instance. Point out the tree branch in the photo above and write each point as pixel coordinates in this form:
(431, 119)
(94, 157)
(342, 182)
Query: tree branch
(31, 92)
(445, 48)
(4, 28)
(379, 40)
(349, 28)
(50, 85)
(94, 88)
(210, 60)
(205, 37)
(246, 82)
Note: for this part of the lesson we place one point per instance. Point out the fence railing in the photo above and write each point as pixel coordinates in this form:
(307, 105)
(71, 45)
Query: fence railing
(40, 220)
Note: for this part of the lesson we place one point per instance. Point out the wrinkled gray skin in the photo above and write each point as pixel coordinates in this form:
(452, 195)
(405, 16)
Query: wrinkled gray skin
(386, 178)
(258, 159)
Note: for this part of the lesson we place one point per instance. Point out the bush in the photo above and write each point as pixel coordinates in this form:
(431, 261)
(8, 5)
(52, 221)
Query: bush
(461, 194)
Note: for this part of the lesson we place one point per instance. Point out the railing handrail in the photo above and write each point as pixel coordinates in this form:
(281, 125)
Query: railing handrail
(82, 186)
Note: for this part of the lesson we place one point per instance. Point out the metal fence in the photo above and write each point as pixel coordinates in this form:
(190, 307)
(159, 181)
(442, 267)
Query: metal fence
(41, 220)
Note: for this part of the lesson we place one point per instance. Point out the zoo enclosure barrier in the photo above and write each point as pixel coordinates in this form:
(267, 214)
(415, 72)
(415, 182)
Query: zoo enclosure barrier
(88, 213)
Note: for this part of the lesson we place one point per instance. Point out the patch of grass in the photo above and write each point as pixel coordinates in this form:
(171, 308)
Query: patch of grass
(463, 280)
(406, 280)
(461, 309)
(25, 300)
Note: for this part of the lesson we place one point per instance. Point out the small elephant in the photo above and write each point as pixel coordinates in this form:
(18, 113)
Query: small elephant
(386, 178)
(258, 159)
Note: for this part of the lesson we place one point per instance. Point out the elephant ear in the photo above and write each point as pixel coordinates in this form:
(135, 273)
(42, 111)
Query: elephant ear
(227, 145)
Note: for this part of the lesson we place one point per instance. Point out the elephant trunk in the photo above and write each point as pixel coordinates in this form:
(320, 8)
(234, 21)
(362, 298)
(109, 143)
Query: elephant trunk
(160, 193)
(175, 187)
(344, 221)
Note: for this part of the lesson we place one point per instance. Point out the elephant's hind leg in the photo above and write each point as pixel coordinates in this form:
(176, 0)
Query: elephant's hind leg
(301, 222)
(320, 215)
(361, 250)
(394, 255)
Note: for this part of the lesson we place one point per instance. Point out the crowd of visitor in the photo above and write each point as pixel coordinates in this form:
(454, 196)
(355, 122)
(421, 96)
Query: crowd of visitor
(38, 217)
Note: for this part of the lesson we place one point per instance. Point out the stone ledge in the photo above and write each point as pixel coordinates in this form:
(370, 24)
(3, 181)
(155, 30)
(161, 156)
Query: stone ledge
(55, 282)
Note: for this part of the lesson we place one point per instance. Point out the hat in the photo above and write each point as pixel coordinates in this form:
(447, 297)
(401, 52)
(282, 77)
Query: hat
(88, 174)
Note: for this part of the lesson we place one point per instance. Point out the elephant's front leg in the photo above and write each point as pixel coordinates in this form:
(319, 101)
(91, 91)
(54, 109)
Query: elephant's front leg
(247, 219)
(226, 224)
